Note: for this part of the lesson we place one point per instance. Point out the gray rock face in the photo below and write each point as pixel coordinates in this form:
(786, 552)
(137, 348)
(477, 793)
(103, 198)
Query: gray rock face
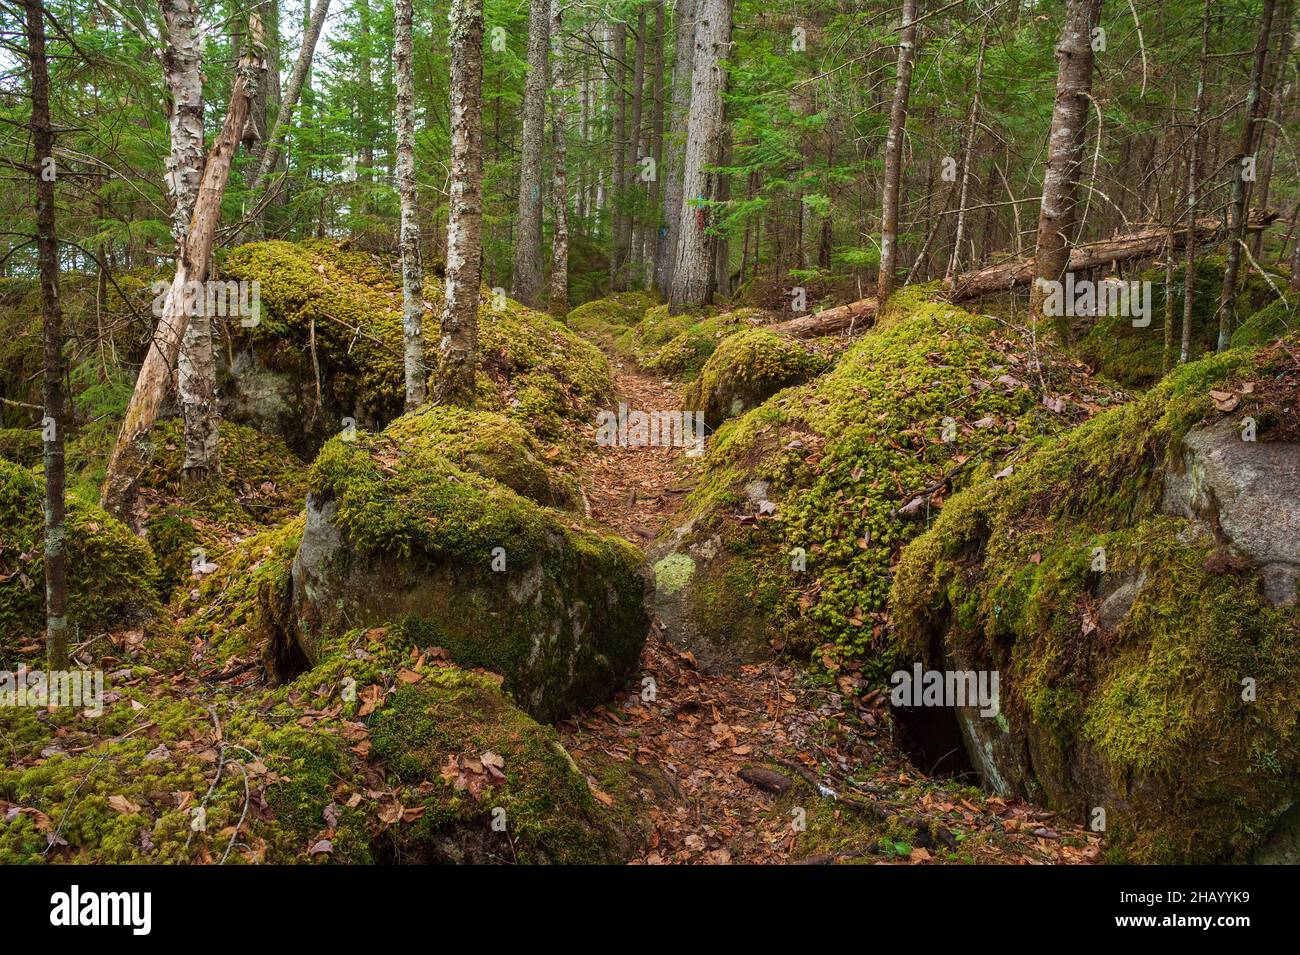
(1248, 492)
(564, 627)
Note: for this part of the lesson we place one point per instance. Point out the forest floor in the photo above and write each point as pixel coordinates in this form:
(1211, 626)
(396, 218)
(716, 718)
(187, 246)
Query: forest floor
(768, 764)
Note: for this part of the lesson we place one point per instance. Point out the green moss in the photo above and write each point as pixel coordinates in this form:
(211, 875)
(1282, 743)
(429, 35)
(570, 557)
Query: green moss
(112, 575)
(234, 610)
(607, 317)
(540, 372)
(21, 446)
(1135, 356)
(685, 355)
(747, 369)
(543, 800)
(836, 457)
(1005, 581)
(1268, 324)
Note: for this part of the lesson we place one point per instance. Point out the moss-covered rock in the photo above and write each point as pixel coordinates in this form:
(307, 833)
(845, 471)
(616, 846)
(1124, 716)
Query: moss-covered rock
(684, 355)
(1145, 667)
(1270, 323)
(746, 370)
(803, 502)
(112, 575)
(1134, 356)
(418, 523)
(377, 755)
(21, 446)
(532, 368)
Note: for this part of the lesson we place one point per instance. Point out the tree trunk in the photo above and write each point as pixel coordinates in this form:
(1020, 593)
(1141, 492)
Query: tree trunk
(182, 69)
(692, 272)
(526, 282)
(55, 370)
(409, 229)
(967, 157)
(618, 96)
(458, 347)
(650, 253)
(635, 145)
(1189, 271)
(271, 155)
(131, 453)
(670, 216)
(894, 154)
(1056, 217)
(559, 295)
(1269, 135)
(1237, 205)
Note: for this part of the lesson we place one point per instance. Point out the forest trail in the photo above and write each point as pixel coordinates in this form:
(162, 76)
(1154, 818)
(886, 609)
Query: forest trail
(843, 790)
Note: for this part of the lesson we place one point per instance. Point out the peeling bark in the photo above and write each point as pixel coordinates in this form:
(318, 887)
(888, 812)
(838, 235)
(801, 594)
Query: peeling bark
(409, 229)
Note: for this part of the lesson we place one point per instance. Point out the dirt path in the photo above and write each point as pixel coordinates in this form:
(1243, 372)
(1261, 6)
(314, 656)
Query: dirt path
(768, 764)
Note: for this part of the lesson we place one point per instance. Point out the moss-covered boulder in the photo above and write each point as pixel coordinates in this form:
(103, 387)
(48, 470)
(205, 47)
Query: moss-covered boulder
(1125, 583)
(1134, 356)
(684, 355)
(383, 753)
(328, 347)
(112, 575)
(416, 523)
(1270, 323)
(803, 502)
(746, 370)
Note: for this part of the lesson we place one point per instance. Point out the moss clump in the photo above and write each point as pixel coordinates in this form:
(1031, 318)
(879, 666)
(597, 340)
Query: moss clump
(746, 370)
(807, 487)
(1268, 324)
(684, 355)
(448, 729)
(1135, 356)
(112, 575)
(539, 372)
(1138, 709)
(605, 318)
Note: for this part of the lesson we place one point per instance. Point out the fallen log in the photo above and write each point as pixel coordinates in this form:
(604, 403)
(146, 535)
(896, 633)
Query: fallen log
(858, 316)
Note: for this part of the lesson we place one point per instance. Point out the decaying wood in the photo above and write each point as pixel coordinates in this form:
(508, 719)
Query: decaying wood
(1005, 276)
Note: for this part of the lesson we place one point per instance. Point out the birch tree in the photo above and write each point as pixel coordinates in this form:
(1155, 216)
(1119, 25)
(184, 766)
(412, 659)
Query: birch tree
(458, 347)
(1056, 216)
(409, 228)
(131, 452)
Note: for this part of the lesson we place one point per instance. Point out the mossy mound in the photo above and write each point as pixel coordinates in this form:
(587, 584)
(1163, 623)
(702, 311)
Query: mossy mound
(1270, 323)
(684, 355)
(533, 368)
(653, 329)
(804, 502)
(112, 575)
(748, 368)
(605, 318)
(21, 446)
(400, 525)
(382, 755)
(1151, 678)
(1135, 356)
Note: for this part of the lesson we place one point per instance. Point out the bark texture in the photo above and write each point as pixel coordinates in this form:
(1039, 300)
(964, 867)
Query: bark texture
(526, 281)
(894, 153)
(670, 218)
(559, 292)
(409, 229)
(458, 346)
